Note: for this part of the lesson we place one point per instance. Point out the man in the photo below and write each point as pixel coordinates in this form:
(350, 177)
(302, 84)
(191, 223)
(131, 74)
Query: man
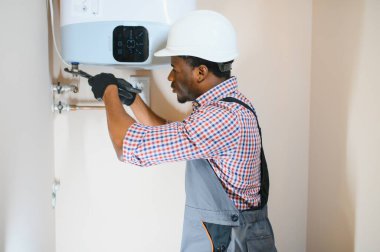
(226, 174)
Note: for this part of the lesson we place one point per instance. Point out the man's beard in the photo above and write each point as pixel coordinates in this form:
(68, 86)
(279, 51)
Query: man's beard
(181, 99)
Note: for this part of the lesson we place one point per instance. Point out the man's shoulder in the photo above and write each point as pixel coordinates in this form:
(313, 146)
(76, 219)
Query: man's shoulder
(217, 108)
(231, 105)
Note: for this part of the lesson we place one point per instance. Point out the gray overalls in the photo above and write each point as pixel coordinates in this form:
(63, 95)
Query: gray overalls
(213, 223)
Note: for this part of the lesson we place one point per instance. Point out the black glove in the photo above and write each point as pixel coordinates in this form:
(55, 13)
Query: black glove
(99, 83)
(126, 97)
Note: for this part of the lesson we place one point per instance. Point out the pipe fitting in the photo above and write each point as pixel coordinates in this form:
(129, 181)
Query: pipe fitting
(60, 89)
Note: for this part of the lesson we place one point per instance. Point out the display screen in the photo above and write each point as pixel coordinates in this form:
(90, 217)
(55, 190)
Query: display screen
(130, 44)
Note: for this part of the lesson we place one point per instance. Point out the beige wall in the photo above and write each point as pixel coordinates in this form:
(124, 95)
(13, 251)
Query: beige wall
(344, 197)
(26, 129)
(273, 69)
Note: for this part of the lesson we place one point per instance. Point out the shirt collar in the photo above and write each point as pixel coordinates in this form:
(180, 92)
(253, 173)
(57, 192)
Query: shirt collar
(216, 93)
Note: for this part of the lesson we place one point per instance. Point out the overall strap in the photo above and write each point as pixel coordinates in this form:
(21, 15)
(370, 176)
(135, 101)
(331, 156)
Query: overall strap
(264, 187)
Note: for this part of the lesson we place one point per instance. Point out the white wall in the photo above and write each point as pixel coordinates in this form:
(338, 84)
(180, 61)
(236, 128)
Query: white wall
(344, 197)
(26, 148)
(106, 205)
(363, 146)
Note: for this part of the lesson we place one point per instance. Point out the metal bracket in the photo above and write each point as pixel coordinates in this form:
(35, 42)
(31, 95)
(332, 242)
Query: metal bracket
(55, 188)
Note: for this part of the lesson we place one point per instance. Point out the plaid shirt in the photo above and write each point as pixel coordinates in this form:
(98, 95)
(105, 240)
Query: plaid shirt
(224, 133)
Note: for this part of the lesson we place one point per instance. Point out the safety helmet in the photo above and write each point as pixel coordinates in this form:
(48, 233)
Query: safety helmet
(204, 34)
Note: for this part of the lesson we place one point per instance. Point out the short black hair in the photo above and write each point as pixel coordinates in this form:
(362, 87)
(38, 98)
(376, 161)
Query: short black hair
(212, 66)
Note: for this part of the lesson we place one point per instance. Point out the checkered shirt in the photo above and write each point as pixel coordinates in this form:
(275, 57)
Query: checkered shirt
(224, 133)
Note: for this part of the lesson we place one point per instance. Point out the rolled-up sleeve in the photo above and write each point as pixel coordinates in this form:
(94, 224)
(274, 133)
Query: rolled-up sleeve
(208, 133)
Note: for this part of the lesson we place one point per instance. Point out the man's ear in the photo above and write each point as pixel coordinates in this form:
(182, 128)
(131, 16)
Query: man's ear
(201, 73)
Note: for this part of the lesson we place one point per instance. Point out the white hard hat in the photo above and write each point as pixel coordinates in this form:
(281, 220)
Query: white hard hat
(204, 34)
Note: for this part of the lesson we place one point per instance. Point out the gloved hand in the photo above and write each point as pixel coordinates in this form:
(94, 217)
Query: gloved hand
(126, 97)
(99, 83)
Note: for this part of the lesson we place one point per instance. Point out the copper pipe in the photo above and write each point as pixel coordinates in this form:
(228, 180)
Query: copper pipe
(77, 107)
(59, 107)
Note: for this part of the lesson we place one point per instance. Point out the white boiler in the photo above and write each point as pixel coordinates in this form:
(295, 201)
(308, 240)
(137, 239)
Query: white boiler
(118, 32)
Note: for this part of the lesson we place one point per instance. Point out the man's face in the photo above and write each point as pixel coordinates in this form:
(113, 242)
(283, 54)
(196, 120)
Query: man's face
(183, 80)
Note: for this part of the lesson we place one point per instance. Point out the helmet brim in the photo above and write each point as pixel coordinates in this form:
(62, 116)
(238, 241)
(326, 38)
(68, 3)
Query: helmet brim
(166, 53)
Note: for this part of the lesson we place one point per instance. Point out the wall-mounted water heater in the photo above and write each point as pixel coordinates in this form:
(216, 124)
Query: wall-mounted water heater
(118, 32)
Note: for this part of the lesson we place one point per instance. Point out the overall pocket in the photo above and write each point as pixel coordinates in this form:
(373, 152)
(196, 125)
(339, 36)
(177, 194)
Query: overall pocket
(260, 237)
(219, 236)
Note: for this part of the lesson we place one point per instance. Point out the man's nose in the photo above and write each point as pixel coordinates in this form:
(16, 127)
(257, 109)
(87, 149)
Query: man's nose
(170, 76)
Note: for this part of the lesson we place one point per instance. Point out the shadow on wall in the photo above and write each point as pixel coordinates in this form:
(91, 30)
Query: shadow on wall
(2, 211)
(337, 29)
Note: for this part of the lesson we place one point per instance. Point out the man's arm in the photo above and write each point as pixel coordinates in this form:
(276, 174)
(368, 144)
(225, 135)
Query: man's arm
(117, 119)
(211, 132)
(144, 114)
